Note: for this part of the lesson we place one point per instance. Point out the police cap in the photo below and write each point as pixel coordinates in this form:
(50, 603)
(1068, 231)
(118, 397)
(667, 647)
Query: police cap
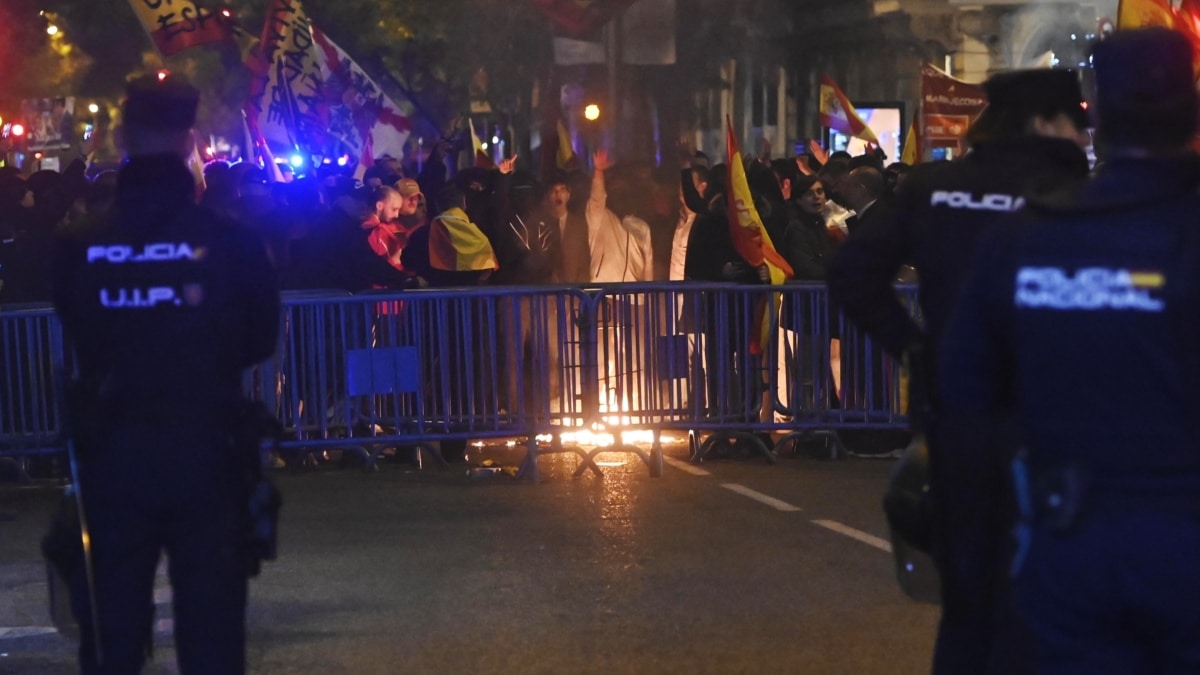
(166, 103)
(1145, 90)
(1040, 91)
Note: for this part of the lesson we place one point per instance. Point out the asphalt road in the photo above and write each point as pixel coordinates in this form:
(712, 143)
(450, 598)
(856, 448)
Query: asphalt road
(732, 566)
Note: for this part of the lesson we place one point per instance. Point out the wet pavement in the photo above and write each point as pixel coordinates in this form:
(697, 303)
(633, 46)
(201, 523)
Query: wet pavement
(732, 566)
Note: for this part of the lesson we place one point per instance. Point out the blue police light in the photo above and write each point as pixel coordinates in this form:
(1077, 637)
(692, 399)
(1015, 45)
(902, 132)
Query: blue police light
(297, 160)
(343, 160)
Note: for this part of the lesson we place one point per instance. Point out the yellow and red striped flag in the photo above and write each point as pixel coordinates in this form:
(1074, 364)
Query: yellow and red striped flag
(1185, 20)
(458, 245)
(482, 158)
(751, 240)
(196, 167)
(911, 154)
(839, 114)
(565, 158)
(179, 24)
(1140, 13)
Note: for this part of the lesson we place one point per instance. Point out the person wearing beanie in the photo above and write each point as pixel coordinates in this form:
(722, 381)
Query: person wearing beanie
(165, 303)
(1030, 138)
(1080, 322)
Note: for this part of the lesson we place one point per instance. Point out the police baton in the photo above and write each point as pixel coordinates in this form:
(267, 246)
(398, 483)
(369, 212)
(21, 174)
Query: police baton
(76, 489)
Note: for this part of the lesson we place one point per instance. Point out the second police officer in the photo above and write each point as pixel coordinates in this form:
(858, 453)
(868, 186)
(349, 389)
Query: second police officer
(1030, 137)
(1082, 321)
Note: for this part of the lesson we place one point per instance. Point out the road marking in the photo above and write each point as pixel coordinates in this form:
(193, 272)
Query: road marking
(868, 539)
(780, 505)
(25, 631)
(777, 504)
(686, 467)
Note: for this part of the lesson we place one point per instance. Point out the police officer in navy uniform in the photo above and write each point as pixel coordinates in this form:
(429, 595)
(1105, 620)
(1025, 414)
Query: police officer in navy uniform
(1082, 321)
(1029, 138)
(165, 304)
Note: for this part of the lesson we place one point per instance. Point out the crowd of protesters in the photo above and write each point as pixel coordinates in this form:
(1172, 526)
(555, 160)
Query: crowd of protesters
(395, 227)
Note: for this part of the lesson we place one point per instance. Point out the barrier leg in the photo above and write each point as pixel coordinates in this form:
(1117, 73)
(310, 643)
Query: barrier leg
(529, 467)
(695, 456)
(18, 470)
(749, 439)
(588, 461)
(656, 457)
(833, 448)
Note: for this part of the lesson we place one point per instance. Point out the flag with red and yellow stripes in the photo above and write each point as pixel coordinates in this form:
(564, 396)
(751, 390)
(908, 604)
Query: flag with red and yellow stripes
(839, 114)
(751, 240)
(458, 245)
(482, 158)
(177, 25)
(911, 154)
(1139, 13)
(565, 158)
(1145, 13)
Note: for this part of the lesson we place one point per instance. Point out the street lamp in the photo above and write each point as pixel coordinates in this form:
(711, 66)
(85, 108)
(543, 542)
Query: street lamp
(93, 108)
(51, 30)
(592, 112)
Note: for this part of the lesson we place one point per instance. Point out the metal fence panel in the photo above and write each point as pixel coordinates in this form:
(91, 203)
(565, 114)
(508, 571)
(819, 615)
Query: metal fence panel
(370, 371)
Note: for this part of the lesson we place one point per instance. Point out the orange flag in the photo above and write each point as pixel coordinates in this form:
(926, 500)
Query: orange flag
(839, 114)
(750, 239)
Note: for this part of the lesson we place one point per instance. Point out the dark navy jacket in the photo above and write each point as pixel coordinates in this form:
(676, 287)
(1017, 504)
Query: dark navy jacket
(1083, 319)
(166, 302)
(940, 212)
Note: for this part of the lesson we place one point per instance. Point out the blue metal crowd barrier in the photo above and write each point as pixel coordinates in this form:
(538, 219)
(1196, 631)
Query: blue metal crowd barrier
(30, 361)
(428, 368)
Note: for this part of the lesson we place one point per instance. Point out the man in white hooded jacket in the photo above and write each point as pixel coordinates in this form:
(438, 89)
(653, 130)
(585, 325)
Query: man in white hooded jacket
(620, 246)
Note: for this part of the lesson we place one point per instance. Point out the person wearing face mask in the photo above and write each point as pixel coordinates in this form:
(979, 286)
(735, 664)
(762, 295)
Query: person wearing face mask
(1029, 139)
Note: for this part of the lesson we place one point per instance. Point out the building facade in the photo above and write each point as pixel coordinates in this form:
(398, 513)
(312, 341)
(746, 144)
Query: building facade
(874, 49)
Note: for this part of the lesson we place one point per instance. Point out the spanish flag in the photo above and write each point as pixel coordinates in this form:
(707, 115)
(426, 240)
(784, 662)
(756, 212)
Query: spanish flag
(565, 158)
(482, 158)
(911, 154)
(1142, 13)
(751, 240)
(458, 245)
(1186, 20)
(196, 166)
(175, 26)
(839, 114)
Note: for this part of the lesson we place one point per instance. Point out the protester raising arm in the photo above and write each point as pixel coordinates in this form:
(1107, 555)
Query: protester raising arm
(598, 199)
